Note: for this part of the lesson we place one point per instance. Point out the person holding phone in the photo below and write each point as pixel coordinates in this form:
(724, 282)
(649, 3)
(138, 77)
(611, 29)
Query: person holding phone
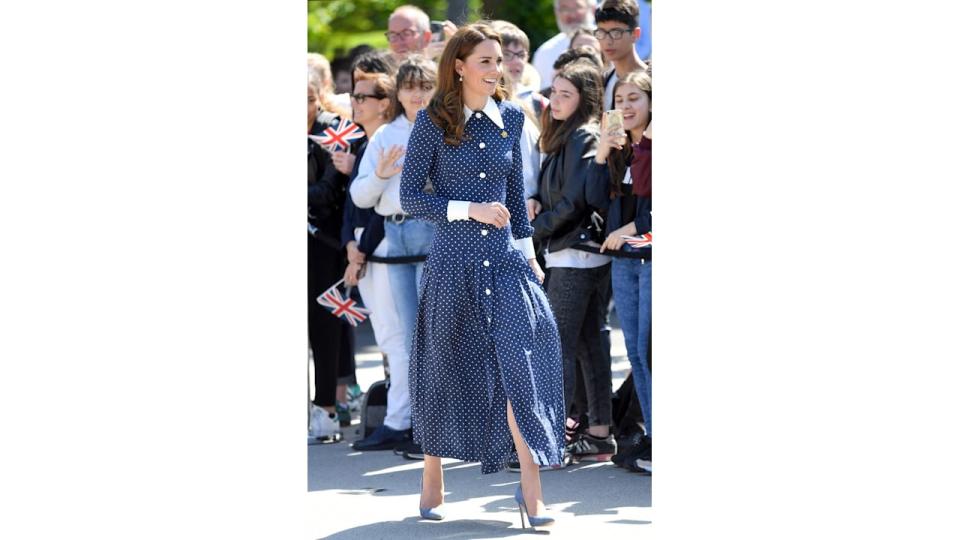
(620, 181)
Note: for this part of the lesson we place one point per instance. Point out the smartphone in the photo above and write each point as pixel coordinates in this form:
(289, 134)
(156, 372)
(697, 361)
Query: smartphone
(614, 120)
(436, 31)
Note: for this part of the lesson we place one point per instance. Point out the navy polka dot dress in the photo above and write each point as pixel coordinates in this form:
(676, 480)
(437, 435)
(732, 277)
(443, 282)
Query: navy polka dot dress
(484, 332)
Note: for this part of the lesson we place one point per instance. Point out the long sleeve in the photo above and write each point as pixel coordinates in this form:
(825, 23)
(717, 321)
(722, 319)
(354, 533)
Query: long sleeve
(597, 188)
(421, 162)
(644, 220)
(570, 207)
(366, 188)
(350, 211)
(323, 184)
(347, 227)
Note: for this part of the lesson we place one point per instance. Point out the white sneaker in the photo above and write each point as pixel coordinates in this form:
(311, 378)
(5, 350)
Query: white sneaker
(323, 426)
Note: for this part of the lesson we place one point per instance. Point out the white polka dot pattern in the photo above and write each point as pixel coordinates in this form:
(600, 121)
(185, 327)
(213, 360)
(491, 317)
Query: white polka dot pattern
(484, 332)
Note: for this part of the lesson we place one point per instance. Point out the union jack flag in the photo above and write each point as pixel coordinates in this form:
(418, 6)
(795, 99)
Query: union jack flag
(644, 240)
(340, 137)
(347, 307)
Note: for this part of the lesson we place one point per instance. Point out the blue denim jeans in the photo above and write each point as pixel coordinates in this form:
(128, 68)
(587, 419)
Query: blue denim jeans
(631, 295)
(410, 237)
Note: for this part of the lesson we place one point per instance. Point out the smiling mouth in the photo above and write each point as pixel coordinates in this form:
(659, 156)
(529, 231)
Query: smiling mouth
(490, 81)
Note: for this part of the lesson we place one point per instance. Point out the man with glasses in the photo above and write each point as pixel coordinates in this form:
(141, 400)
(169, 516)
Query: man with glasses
(408, 31)
(618, 31)
(571, 15)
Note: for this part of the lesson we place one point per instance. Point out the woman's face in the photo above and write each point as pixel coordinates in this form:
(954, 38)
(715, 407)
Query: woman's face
(564, 99)
(635, 105)
(367, 112)
(313, 102)
(414, 94)
(482, 69)
(515, 57)
(585, 40)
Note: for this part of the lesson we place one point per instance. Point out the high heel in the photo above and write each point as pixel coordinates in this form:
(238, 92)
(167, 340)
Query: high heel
(535, 521)
(436, 513)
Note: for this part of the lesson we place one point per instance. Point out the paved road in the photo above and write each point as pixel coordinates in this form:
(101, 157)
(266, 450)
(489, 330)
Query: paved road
(373, 495)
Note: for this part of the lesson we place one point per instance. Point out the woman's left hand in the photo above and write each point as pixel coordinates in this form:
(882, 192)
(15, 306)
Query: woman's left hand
(614, 240)
(537, 271)
(343, 162)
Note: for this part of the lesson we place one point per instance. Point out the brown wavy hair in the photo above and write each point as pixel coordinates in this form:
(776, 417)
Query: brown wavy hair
(446, 107)
(589, 83)
(620, 160)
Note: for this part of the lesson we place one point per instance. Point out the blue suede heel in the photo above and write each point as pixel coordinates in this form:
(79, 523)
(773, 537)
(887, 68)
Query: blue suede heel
(435, 514)
(535, 521)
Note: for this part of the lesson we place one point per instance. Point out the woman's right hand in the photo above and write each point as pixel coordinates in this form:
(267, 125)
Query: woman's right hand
(492, 213)
(609, 139)
(387, 164)
(533, 208)
(351, 276)
(354, 255)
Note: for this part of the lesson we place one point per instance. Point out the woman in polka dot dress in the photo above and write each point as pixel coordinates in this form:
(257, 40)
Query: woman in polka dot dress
(485, 368)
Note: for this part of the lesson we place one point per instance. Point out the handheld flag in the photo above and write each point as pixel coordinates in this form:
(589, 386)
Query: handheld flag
(644, 240)
(340, 137)
(343, 307)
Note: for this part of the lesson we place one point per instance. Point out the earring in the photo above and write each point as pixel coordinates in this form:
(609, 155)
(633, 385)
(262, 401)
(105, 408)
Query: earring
(461, 78)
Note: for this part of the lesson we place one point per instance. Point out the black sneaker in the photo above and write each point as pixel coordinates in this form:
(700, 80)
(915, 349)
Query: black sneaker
(586, 447)
(514, 466)
(642, 466)
(409, 450)
(637, 446)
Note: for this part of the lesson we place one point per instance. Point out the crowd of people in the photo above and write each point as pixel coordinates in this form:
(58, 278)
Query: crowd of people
(379, 206)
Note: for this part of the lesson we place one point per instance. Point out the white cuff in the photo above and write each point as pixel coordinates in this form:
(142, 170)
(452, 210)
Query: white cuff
(525, 245)
(458, 210)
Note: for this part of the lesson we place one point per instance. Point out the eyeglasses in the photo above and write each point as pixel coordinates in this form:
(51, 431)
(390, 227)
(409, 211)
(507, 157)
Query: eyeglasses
(406, 34)
(360, 97)
(510, 55)
(613, 34)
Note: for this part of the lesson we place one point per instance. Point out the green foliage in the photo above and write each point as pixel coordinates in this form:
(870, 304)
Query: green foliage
(334, 26)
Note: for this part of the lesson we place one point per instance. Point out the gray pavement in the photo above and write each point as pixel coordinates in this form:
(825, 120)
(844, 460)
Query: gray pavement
(376, 494)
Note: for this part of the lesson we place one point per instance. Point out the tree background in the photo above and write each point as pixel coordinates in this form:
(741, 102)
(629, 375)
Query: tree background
(335, 26)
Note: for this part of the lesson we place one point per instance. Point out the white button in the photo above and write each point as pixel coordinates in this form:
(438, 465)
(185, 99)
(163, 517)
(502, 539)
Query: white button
(483, 232)
(486, 263)
(488, 292)
(483, 175)
(489, 319)
(483, 145)
(479, 115)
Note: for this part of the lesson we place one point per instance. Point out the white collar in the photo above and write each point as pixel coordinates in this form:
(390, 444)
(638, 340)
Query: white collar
(490, 109)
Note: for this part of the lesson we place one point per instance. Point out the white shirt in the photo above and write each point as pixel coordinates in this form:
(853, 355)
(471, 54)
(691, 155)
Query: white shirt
(460, 210)
(574, 258)
(608, 92)
(547, 54)
(369, 191)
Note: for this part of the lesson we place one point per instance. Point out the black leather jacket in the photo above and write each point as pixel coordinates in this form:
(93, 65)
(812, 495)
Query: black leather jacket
(565, 215)
(326, 188)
